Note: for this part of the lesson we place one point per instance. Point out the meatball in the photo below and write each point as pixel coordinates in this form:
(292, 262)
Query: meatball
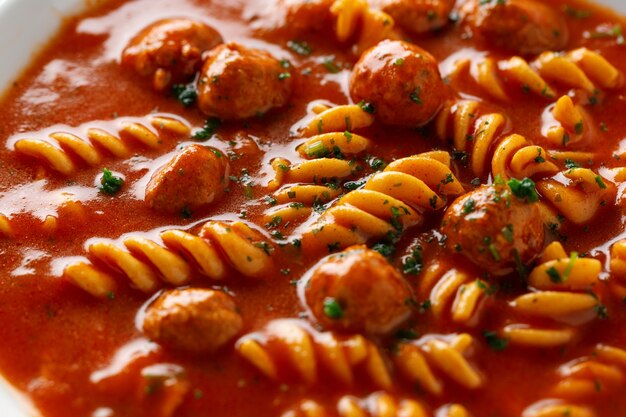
(418, 16)
(357, 291)
(494, 229)
(292, 16)
(239, 82)
(401, 81)
(522, 26)
(195, 177)
(169, 50)
(192, 320)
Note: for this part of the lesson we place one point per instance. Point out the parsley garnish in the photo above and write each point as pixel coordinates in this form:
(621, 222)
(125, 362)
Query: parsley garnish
(210, 127)
(524, 189)
(111, 184)
(332, 309)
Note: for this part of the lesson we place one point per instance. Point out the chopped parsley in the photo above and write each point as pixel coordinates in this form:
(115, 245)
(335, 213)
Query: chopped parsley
(332, 309)
(185, 93)
(300, 47)
(569, 164)
(415, 96)
(524, 189)
(494, 341)
(110, 184)
(210, 127)
(367, 107)
(600, 182)
(469, 206)
(413, 264)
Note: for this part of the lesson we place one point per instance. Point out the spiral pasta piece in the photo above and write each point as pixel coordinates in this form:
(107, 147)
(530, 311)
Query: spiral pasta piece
(579, 69)
(554, 408)
(60, 149)
(453, 294)
(561, 291)
(571, 123)
(389, 202)
(355, 19)
(175, 260)
(590, 377)
(618, 269)
(313, 181)
(427, 360)
(290, 349)
(378, 404)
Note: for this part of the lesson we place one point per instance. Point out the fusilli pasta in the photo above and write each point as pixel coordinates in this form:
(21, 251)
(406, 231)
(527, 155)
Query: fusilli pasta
(561, 288)
(580, 69)
(145, 262)
(59, 149)
(379, 404)
(304, 353)
(389, 202)
(426, 360)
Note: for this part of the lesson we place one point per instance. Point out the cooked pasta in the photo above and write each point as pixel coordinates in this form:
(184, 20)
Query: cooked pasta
(579, 69)
(378, 404)
(145, 263)
(562, 287)
(297, 188)
(427, 360)
(60, 149)
(5, 226)
(453, 294)
(553, 408)
(355, 19)
(288, 347)
(389, 202)
(571, 123)
(618, 269)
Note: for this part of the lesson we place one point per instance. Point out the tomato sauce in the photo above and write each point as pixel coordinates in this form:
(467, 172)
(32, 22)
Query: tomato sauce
(72, 354)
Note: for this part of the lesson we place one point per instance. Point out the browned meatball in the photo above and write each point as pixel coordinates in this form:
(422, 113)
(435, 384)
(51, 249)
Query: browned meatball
(195, 177)
(401, 81)
(239, 82)
(169, 50)
(357, 291)
(192, 320)
(418, 16)
(521, 26)
(295, 17)
(494, 229)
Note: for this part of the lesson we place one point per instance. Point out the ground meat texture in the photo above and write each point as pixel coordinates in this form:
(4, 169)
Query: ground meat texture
(239, 82)
(195, 177)
(494, 229)
(357, 291)
(192, 320)
(522, 26)
(170, 50)
(401, 81)
(418, 16)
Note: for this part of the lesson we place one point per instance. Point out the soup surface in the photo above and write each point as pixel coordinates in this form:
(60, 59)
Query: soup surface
(318, 208)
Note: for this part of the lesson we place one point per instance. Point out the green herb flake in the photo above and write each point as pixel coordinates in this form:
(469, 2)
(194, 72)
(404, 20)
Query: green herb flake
(110, 184)
(524, 189)
(600, 182)
(186, 94)
(494, 341)
(332, 309)
(210, 128)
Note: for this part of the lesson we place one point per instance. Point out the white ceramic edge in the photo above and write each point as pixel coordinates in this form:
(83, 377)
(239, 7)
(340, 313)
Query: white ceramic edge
(25, 26)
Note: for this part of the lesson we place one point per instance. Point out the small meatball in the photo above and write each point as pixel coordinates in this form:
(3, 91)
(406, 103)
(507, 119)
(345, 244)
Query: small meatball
(357, 291)
(523, 26)
(292, 16)
(192, 320)
(169, 50)
(419, 16)
(195, 177)
(239, 82)
(494, 229)
(401, 80)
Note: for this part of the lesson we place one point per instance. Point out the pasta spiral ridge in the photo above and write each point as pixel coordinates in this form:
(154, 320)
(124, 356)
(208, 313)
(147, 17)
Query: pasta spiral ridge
(555, 408)
(297, 188)
(356, 20)
(290, 349)
(581, 69)
(389, 202)
(561, 291)
(593, 376)
(175, 260)
(90, 144)
(379, 404)
(618, 269)
(453, 294)
(425, 361)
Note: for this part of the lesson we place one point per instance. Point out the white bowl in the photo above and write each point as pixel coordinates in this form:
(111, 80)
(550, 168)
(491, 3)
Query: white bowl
(25, 25)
